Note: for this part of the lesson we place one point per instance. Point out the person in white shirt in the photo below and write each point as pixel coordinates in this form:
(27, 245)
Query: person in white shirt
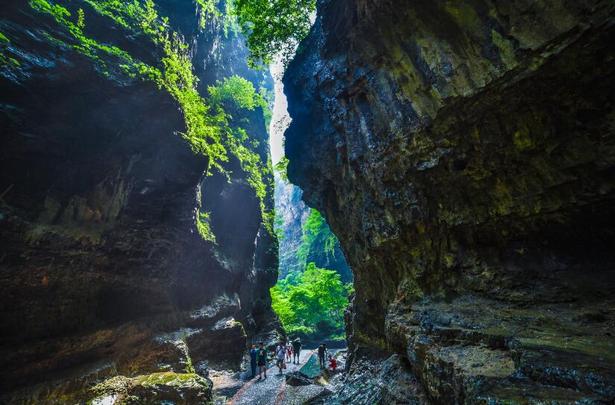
(280, 354)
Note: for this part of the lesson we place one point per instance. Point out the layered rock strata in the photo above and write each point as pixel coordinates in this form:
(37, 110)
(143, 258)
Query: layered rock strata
(103, 271)
(463, 153)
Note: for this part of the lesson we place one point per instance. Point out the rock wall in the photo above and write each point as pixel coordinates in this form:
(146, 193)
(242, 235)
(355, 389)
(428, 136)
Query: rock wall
(463, 153)
(103, 270)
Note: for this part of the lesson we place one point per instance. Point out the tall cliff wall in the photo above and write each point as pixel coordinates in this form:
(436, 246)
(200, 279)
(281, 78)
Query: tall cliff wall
(463, 152)
(104, 272)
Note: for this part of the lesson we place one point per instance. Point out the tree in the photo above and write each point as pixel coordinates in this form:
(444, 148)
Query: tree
(274, 27)
(312, 302)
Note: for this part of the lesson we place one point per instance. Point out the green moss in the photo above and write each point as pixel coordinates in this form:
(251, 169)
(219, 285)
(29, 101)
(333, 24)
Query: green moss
(502, 198)
(522, 139)
(464, 15)
(507, 51)
(449, 260)
(169, 378)
(145, 388)
(114, 385)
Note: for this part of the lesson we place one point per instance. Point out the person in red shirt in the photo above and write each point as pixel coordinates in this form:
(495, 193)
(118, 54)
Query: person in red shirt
(332, 363)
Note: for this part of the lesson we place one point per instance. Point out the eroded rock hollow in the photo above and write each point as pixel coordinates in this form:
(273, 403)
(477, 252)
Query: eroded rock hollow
(105, 273)
(464, 154)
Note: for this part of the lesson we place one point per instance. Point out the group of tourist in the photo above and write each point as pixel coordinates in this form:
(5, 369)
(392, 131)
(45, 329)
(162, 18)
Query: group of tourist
(285, 352)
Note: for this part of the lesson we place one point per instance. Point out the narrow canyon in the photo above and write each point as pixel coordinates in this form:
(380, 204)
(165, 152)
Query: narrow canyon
(449, 165)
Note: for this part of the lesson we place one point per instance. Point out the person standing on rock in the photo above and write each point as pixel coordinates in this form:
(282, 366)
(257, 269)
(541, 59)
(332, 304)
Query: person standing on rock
(280, 354)
(296, 350)
(261, 360)
(253, 355)
(322, 353)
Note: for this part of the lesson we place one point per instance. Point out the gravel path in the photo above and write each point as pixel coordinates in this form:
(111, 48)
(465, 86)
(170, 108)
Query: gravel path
(268, 391)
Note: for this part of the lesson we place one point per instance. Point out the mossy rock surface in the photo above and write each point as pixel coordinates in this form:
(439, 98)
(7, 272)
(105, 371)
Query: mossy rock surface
(177, 388)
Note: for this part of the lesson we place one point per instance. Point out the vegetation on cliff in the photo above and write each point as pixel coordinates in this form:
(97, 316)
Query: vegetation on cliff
(209, 129)
(316, 233)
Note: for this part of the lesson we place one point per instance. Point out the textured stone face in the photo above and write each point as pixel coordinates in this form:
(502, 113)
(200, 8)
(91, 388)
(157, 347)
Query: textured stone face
(465, 149)
(100, 257)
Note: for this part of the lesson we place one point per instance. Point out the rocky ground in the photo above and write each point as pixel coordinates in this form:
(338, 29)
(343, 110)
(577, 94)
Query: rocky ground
(299, 384)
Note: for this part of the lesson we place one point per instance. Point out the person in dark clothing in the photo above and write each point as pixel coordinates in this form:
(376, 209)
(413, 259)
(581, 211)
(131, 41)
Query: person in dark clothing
(296, 350)
(322, 355)
(261, 360)
(253, 355)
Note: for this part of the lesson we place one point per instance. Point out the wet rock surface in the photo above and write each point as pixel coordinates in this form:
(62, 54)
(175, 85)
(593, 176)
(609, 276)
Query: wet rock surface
(297, 378)
(103, 271)
(463, 154)
(374, 379)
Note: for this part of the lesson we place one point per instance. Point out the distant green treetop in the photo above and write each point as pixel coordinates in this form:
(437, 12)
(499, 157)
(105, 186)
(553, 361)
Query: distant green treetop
(312, 302)
(274, 27)
(238, 91)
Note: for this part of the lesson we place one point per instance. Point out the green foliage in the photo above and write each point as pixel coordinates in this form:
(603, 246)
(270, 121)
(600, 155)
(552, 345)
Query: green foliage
(282, 168)
(204, 228)
(268, 100)
(208, 128)
(207, 9)
(312, 302)
(80, 19)
(210, 10)
(6, 60)
(278, 226)
(316, 232)
(237, 91)
(101, 54)
(273, 26)
(174, 75)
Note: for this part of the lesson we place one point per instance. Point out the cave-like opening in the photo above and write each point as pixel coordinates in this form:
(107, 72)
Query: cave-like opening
(314, 278)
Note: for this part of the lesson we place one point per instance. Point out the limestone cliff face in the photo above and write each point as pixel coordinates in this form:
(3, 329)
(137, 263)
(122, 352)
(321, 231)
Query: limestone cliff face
(463, 152)
(103, 270)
